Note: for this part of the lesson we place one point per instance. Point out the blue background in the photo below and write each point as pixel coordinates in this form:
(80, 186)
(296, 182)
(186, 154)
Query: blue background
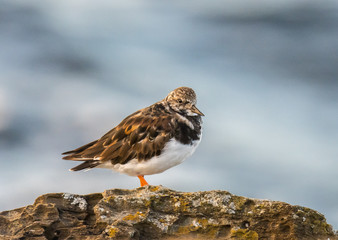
(265, 73)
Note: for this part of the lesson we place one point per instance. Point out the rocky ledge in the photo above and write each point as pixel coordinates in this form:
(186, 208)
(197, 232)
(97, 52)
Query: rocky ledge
(156, 212)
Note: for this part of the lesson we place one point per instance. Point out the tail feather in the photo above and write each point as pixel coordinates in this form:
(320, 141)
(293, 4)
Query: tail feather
(76, 157)
(85, 165)
(80, 149)
(82, 154)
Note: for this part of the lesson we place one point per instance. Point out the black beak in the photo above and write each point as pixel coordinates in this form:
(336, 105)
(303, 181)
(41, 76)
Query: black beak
(195, 110)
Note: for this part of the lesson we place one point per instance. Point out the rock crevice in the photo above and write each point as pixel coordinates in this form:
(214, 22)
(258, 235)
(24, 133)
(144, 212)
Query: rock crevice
(155, 212)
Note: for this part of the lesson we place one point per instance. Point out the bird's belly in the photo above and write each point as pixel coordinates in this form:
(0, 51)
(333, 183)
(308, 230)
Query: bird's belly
(172, 154)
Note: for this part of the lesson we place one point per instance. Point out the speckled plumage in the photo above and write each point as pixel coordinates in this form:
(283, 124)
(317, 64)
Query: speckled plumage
(163, 134)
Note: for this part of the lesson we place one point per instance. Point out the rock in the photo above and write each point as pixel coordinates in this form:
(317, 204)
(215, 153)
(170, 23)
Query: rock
(155, 212)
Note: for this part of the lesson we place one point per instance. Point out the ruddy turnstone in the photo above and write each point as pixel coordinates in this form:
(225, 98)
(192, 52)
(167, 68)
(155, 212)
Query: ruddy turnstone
(149, 141)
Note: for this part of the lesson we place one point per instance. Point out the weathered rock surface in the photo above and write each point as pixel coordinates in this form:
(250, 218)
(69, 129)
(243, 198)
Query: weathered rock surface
(155, 212)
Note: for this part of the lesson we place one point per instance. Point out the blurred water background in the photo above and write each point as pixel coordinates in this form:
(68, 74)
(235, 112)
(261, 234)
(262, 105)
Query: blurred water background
(265, 73)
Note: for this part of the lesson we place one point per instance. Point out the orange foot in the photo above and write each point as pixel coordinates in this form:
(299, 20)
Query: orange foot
(142, 180)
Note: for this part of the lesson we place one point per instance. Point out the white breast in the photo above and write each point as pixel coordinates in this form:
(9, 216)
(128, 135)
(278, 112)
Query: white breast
(172, 154)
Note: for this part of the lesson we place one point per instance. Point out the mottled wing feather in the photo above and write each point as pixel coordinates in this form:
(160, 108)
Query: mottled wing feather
(137, 138)
(140, 136)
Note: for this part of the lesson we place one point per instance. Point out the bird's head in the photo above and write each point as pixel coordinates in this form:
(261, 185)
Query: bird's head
(183, 100)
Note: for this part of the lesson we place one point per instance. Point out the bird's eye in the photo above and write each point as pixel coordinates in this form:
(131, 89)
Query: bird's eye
(180, 101)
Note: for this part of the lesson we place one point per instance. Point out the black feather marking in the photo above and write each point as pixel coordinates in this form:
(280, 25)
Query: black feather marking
(186, 135)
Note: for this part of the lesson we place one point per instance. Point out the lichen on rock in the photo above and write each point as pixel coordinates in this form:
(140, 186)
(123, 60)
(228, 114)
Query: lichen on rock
(156, 212)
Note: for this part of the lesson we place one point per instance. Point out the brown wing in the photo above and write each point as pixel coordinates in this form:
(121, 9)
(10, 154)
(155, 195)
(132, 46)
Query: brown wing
(137, 136)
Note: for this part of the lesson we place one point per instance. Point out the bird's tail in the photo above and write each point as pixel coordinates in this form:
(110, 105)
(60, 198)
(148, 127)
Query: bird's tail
(86, 165)
(78, 150)
(85, 154)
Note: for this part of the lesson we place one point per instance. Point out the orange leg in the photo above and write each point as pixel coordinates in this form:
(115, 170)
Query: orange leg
(142, 181)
